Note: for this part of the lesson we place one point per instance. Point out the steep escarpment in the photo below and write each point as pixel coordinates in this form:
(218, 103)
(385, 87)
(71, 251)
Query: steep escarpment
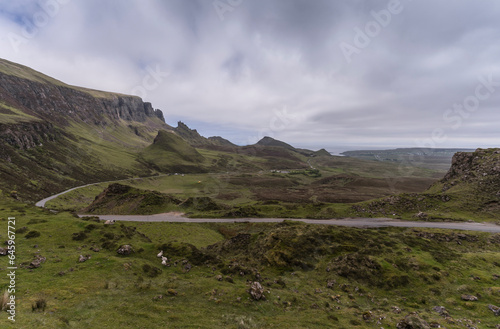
(481, 167)
(62, 104)
(54, 136)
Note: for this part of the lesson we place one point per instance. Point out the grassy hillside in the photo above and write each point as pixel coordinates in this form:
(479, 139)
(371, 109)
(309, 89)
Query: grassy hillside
(312, 276)
(171, 153)
(54, 136)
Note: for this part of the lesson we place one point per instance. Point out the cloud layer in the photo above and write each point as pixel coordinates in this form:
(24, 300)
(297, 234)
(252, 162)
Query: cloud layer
(313, 73)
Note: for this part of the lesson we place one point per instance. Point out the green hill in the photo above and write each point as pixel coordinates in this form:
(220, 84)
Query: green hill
(171, 153)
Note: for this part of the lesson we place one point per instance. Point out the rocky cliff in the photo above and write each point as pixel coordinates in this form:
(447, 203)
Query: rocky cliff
(53, 135)
(481, 167)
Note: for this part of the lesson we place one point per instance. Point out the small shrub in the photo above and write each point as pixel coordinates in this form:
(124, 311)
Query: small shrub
(37, 221)
(79, 236)
(109, 236)
(22, 230)
(151, 271)
(172, 292)
(109, 245)
(39, 305)
(32, 234)
(90, 227)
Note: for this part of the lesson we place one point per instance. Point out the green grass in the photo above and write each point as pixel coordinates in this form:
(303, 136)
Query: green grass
(9, 115)
(25, 72)
(372, 270)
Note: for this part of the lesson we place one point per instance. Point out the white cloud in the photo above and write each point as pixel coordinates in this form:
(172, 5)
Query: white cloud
(269, 55)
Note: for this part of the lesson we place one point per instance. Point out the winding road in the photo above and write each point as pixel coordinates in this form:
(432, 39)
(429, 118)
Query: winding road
(350, 222)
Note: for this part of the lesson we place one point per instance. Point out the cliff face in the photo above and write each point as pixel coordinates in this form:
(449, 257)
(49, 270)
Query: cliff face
(54, 136)
(481, 167)
(62, 104)
(28, 135)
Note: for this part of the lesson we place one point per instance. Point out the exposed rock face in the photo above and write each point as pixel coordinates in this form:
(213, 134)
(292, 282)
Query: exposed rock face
(51, 133)
(191, 135)
(28, 135)
(60, 103)
(481, 165)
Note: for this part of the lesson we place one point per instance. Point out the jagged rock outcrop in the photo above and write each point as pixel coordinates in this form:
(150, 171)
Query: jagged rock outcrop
(483, 164)
(28, 135)
(191, 135)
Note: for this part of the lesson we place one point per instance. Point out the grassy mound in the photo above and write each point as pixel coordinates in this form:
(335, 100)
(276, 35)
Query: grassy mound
(171, 153)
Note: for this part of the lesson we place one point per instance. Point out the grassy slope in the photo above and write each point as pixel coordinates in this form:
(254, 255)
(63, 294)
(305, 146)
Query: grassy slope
(25, 72)
(370, 270)
(82, 153)
(170, 153)
(247, 190)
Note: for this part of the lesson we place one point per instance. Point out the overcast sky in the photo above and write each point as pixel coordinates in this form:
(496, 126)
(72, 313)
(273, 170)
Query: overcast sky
(312, 73)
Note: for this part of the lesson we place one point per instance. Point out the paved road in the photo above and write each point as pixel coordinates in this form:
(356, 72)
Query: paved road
(42, 203)
(351, 222)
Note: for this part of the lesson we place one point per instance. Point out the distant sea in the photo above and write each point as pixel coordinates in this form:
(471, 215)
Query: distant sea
(336, 150)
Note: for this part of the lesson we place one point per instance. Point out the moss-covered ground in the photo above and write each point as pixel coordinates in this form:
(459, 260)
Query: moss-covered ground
(313, 276)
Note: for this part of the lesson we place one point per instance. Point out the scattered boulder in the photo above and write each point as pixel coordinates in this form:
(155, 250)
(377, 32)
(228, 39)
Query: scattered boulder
(367, 316)
(125, 250)
(82, 258)
(412, 321)
(422, 215)
(494, 309)
(219, 277)
(396, 310)
(469, 298)
(37, 262)
(441, 310)
(257, 291)
(3, 251)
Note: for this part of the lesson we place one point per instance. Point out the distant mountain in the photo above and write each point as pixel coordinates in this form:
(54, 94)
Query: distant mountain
(269, 141)
(191, 135)
(54, 136)
(217, 140)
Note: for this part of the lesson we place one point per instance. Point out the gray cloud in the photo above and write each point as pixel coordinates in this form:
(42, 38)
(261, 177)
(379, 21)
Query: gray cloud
(277, 68)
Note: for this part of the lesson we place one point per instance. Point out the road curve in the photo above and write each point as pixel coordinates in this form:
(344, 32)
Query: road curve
(350, 222)
(42, 203)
